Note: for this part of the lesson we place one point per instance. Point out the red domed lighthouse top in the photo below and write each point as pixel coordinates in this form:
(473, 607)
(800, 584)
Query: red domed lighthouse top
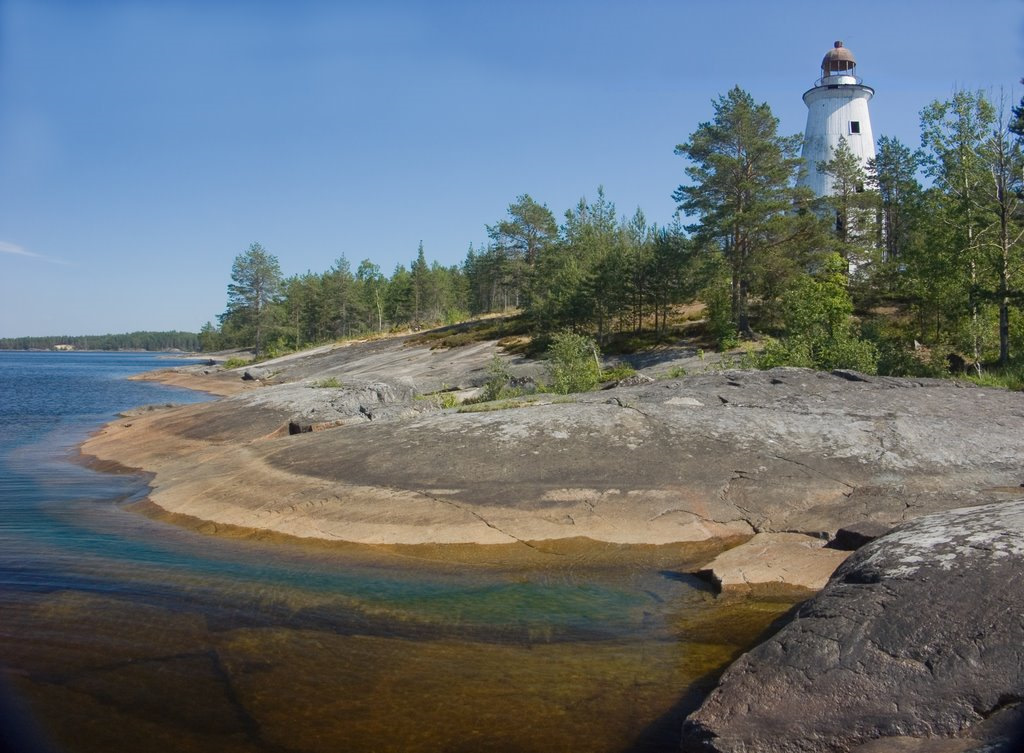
(839, 60)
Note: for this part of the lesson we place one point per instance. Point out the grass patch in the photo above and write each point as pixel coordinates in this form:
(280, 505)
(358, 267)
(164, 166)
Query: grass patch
(442, 399)
(237, 363)
(626, 343)
(617, 372)
(1008, 378)
(446, 400)
(330, 382)
(504, 328)
(494, 405)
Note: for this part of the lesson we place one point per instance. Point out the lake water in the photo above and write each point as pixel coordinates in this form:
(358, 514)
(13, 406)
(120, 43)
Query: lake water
(122, 633)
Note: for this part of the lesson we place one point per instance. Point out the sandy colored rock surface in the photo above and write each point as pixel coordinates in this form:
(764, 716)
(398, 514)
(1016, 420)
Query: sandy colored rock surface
(202, 378)
(771, 559)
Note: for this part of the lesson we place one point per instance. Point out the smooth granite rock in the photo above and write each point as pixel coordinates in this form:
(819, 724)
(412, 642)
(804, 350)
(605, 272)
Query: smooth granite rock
(721, 455)
(918, 637)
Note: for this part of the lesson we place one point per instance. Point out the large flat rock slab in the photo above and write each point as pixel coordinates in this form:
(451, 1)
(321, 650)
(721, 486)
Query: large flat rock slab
(773, 559)
(722, 455)
(918, 637)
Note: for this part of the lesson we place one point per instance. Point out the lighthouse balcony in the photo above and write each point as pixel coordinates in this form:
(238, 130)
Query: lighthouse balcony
(840, 80)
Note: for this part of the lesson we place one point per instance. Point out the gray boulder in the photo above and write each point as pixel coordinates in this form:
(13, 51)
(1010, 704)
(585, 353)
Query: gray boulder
(255, 374)
(918, 636)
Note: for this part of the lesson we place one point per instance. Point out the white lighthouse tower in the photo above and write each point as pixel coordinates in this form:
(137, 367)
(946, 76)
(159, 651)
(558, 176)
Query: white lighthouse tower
(837, 107)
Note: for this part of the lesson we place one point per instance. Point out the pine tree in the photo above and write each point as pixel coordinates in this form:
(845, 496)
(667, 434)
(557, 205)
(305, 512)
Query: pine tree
(742, 190)
(523, 237)
(854, 206)
(254, 288)
(893, 173)
(419, 281)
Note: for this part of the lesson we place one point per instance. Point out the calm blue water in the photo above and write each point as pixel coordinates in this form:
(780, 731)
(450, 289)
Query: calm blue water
(58, 515)
(125, 633)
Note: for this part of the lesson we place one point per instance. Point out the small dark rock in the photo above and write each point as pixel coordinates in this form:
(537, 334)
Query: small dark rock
(850, 376)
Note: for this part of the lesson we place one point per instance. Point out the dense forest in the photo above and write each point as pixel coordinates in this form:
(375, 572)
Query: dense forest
(151, 341)
(912, 266)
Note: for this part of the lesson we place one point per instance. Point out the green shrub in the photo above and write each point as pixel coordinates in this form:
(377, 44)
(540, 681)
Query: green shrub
(455, 315)
(676, 372)
(274, 350)
(617, 372)
(898, 359)
(820, 333)
(826, 354)
(719, 315)
(444, 399)
(498, 376)
(237, 363)
(573, 363)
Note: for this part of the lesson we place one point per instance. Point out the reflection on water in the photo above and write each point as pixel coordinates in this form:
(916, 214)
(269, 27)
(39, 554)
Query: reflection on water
(124, 633)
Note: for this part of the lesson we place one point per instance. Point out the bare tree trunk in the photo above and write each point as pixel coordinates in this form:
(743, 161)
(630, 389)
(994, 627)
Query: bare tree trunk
(744, 317)
(975, 332)
(1004, 281)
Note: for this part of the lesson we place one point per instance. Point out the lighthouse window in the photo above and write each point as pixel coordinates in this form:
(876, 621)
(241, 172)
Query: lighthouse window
(854, 126)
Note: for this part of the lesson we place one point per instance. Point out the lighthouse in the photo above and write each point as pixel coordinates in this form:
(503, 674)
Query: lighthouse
(837, 107)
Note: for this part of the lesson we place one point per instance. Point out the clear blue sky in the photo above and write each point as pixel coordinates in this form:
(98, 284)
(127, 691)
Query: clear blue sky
(145, 143)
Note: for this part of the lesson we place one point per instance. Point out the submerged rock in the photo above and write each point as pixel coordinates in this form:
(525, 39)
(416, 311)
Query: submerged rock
(919, 635)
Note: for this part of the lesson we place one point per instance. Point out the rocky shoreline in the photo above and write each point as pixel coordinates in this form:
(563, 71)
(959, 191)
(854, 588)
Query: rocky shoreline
(915, 644)
(775, 475)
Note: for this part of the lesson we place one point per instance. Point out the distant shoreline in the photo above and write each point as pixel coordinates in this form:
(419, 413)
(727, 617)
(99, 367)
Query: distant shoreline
(142, 341)
(183, 353)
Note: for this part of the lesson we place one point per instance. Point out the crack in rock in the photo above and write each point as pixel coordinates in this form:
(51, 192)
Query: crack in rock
(486, 522)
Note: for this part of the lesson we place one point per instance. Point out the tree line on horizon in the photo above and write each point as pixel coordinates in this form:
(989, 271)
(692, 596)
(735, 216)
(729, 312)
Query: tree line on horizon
(148, 341)
(856, 279)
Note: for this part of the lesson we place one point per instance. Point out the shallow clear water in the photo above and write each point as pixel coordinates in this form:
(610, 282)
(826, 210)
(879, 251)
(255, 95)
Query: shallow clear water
(119, 632)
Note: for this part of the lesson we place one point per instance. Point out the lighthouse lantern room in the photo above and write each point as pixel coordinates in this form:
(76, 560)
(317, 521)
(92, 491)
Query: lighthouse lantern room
(837, 107)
